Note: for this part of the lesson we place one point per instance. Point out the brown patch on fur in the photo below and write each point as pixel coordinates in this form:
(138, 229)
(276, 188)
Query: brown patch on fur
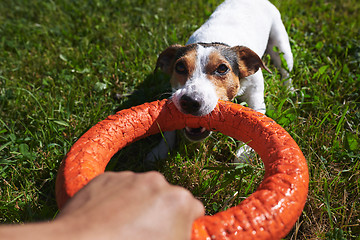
(249, 62)
(227, 85)
(166, 58)
(189, 60)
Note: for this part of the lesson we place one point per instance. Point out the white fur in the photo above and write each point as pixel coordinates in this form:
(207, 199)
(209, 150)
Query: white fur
(255, 24)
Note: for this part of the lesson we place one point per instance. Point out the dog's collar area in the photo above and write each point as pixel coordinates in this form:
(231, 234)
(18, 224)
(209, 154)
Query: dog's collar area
(196, 134)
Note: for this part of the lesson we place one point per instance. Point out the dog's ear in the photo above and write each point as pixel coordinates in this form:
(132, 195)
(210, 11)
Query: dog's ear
(166, 58)
(248, 61)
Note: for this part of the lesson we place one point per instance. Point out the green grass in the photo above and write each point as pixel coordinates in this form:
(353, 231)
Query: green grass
(65, 65)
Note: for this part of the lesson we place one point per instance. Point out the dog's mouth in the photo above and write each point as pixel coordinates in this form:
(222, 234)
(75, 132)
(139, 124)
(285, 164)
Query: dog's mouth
(196, 134)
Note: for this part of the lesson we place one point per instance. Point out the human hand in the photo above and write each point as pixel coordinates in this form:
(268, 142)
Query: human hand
(133, 206)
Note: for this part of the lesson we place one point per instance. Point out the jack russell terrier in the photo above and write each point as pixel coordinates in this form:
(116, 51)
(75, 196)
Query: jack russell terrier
(221, 60)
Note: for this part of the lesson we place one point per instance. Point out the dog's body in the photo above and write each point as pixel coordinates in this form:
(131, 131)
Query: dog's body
(217, 62)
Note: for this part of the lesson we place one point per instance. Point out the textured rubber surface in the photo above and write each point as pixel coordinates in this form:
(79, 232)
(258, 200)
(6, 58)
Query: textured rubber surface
(269, 213)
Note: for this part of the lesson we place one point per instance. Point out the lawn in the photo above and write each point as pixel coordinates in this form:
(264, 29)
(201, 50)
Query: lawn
(65, 65)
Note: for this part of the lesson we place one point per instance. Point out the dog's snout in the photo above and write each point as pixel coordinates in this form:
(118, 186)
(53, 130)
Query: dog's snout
(189, 105)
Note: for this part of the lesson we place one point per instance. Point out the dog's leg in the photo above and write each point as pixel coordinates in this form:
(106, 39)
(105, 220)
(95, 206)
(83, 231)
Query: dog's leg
(279, 38)
(162, 149)
(254, 93)
(254, 97)
(244, 153)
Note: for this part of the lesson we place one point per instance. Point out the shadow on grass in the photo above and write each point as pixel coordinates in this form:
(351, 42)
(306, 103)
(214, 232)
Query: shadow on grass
(155, 86)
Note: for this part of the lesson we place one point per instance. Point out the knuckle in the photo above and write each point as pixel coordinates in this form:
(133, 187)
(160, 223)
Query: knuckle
(154, 180)
(179, 196)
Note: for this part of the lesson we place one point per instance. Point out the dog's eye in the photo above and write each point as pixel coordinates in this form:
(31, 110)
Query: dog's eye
(180, 68)
(222, 69)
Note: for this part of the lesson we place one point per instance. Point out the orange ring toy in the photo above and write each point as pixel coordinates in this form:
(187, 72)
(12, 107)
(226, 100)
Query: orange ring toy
(268, 213)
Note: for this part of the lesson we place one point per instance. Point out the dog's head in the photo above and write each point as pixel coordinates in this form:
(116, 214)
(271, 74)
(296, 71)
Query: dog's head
(203, 73)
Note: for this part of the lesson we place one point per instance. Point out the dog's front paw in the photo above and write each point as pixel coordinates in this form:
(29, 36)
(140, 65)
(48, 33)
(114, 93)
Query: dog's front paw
(244, 154)
(157, 153)
(161, 151)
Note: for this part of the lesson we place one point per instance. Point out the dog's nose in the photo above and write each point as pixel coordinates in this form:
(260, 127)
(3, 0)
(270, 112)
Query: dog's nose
(189, 105)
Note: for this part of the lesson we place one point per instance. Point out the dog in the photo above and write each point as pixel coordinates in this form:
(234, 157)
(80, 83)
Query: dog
(222, 60)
